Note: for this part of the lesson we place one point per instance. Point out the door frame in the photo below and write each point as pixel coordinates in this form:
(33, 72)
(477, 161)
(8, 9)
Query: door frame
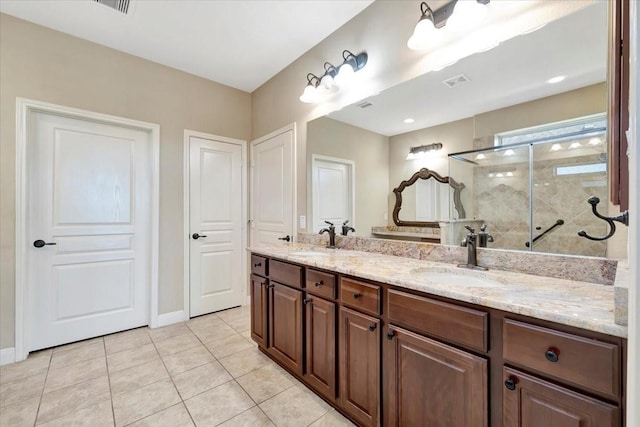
(24, 109)
(184, 315)
(314, 185)
(294, 175)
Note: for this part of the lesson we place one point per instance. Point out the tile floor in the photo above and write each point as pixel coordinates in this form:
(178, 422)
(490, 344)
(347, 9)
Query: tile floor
(203, 372)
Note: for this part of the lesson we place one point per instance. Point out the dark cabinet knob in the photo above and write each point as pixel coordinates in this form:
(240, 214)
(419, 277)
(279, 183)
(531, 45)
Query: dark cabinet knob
(373, 326)
(307, 300)
(357, 295)
(511, 382)
(390, 334)
(40, 243)
(196, 236)
(286, 238)
(320, 283)
(257, 264)
(552, 355)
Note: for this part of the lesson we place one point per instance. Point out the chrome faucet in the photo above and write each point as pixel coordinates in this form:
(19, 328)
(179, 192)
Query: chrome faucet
(471, 242)
(332, 234)
(346, 229)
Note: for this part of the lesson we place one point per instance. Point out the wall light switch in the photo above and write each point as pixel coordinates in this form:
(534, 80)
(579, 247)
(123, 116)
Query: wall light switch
(303, 221)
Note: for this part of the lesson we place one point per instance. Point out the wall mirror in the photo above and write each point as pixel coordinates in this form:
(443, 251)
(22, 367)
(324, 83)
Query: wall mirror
(548, 76)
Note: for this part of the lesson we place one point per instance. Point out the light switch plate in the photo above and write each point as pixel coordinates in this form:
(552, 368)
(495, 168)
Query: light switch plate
(303, 221)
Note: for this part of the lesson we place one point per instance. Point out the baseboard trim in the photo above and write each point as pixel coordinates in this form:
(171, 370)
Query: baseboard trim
(7, 355)
(171, 318)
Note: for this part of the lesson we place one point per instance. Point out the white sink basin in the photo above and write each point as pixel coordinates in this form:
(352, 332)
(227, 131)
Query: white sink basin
(308, 253)
(458, 277)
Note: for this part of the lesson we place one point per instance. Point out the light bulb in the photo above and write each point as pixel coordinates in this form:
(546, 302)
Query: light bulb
(309, 95)
(491, 175)
(509, 152)
(575, 145)
(466, 14)
(411, 156)
(595, 141)
(345, 75)
(327, 81)
(556, 147)
(424, 36)
(499, 175)
(509, 173)
(481, 156)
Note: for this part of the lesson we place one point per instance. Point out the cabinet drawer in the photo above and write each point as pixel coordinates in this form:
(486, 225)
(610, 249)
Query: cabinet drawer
(259, 265)
(585, 362)
(321, 284)
(459, 325)
(285, 273)
(362, 296)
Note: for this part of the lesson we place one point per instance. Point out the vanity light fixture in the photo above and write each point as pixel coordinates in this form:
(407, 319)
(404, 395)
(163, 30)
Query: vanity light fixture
(421, 150)
(334, 78)
(350, 65)
(310, 94)
(574, 145)
(501, 172)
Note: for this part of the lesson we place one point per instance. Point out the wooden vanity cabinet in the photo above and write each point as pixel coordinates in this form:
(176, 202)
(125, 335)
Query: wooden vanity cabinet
(259, 309)
(320, 345)
(285, 326)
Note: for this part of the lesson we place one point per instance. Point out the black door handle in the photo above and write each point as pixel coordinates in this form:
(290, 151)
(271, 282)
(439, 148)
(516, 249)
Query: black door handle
(40, 243)
(196, 236)
(286, 238)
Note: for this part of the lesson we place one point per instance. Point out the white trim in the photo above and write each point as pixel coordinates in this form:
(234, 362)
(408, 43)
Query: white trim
(7, 355)
(187, 215)
(24, 107)
(166, 319)
(294, 174)
(352, 178)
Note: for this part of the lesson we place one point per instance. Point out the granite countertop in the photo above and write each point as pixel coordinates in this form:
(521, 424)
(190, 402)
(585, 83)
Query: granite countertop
(580, 304)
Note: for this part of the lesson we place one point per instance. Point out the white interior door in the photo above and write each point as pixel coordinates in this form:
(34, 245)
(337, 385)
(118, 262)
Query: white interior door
(332, 191)
(272, 188)
(89, 203)
(215, 209)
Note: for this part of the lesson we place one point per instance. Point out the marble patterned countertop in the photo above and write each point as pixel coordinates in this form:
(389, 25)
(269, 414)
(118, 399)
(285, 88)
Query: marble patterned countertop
(580, 304)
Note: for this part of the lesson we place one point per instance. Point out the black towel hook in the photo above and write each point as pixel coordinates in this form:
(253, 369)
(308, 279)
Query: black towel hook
(623, 218)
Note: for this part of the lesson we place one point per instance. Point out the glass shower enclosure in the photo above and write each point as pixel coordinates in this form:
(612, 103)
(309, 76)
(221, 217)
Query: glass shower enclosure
(531, 187)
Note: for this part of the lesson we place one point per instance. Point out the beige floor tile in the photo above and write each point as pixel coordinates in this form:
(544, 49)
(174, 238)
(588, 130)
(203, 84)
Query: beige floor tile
(20, 414)
(229, 345)
(126, 334)
(159, 334)
(247, 335)
(137, 404)
(177, 344)
(253, 417)
(34, 364)
(240, 325)
(204, 322)
(127, 340)
(243, 362)
(219, 404)
(75, 374)
(100, 415)
(79, 354)
(77, 344)
(187, 359)
(66, 401)
(137, 376)
(132, 357)
(242, 312)
(265, 382)
(214, 333)
(332, 419)
(22, 389)
(294, 407)
(175, 416)
(200, 379)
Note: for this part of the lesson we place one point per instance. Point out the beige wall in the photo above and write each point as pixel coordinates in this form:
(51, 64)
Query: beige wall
(369, 151)
(45, 65)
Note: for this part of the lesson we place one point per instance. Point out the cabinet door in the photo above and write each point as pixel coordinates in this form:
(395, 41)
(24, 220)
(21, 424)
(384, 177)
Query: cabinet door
(259, 310)
(433, 384)
(532, 402)
(320, 340)
(360, 366)
(285, 326)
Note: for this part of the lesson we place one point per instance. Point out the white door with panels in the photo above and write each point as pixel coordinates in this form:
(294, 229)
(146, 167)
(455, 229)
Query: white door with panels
(272, 189)
(88, 224)
(216, 246)
(332, 187)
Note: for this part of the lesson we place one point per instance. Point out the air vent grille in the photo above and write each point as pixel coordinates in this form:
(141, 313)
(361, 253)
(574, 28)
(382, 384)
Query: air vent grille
(456, 80)
(364, 104)
(121, 6)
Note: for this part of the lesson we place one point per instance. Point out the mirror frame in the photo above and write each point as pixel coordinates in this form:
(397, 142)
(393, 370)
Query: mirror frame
(425, 173)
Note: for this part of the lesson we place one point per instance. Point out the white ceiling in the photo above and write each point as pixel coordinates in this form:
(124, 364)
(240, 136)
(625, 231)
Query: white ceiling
(514, 72)
(234, 42)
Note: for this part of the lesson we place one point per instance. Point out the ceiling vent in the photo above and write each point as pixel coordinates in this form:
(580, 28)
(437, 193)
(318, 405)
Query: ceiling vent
(121, 6)
(364, 104)
(458, 80)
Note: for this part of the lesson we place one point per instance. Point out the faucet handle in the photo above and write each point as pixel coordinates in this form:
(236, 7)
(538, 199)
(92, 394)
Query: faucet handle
(471, 230)
(483, 227)
(327, 222)
(346, 222)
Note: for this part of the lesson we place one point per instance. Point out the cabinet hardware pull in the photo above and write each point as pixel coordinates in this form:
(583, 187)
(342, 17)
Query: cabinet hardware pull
(552, 355)
(511, 382)
(257, 264)
(357, 295)
(390, 334)
(307, 300)
(372, 327)
(320, 283)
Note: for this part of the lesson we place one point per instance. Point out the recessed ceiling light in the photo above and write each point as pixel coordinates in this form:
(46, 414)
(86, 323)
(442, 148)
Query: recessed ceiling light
(409, 120)
(556, 79)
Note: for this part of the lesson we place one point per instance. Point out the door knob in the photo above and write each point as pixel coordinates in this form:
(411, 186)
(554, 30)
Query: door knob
(286, 238)
(196, 236)
(40, 243)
